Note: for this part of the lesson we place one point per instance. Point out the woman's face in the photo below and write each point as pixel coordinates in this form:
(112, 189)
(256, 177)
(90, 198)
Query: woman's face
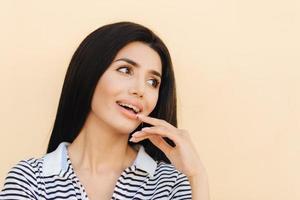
(132, 80)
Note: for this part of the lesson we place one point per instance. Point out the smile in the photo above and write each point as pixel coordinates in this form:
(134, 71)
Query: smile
(127, 111)
(129, 107)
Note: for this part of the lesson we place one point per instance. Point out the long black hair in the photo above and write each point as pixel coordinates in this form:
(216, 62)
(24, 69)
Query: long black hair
(93, 56)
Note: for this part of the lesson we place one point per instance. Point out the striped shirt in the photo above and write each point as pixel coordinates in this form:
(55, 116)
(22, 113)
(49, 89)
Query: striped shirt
(52, 177)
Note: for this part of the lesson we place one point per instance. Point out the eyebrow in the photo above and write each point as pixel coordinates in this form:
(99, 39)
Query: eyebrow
(137, 65)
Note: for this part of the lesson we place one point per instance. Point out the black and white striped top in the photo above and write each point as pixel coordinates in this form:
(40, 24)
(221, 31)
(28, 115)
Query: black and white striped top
(52, 177)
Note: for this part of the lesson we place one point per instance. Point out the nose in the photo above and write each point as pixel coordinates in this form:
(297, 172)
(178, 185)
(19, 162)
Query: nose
(137, 89)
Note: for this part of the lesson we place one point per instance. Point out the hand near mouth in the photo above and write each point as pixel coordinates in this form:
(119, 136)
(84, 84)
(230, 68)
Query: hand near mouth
(183, 156)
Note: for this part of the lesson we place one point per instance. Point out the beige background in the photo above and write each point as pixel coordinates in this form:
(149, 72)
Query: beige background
(237, 68)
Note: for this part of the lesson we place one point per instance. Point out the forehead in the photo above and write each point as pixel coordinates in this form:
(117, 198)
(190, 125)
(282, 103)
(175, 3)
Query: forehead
(142, 54)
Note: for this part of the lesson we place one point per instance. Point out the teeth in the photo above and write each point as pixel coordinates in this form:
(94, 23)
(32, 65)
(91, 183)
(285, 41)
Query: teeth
(130, 106)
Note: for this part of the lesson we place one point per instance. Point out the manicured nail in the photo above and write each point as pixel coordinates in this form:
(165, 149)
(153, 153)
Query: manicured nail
(132, 139)
(146, 128)
(136, 133)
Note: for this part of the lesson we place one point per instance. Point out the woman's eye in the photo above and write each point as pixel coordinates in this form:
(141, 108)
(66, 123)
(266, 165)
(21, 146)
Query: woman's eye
(128, 70)
(124, 69)
(154, 83)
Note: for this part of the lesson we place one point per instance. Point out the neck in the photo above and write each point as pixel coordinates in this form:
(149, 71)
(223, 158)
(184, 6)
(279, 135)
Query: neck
(99, 149)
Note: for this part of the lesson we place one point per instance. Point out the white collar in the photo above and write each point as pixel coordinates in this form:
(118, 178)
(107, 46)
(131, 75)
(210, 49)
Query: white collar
(55, 163)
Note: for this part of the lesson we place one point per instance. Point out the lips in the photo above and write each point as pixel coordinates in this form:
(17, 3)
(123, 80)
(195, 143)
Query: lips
(128, 110)
(134, 105)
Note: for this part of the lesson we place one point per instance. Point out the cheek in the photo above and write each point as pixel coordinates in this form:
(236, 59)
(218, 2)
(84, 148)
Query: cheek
(152, 101)
(105, 91)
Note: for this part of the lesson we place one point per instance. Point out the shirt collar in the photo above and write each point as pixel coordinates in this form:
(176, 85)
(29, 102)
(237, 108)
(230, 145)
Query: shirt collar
(56, 163)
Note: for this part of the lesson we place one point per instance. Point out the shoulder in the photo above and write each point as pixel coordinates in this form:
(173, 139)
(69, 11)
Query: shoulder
(181, 187)
(170, 170)
(29, 168)
(166, 168)
(21, 179)
(26, 169)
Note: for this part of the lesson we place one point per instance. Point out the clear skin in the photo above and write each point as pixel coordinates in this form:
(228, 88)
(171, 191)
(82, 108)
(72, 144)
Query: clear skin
(106, 130)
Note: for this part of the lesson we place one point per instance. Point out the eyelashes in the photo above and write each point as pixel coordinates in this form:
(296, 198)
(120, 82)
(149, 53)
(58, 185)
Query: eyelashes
(156, 82)
(128, 70)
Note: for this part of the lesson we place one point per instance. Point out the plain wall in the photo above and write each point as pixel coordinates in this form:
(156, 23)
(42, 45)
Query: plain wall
(237, 69)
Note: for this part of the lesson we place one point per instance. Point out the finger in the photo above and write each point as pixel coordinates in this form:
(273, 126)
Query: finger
(160, 130)
(157, 141)
(143, 137)
(154, 121)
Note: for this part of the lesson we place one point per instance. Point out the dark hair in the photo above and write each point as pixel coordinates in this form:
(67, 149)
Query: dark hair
(89, 62)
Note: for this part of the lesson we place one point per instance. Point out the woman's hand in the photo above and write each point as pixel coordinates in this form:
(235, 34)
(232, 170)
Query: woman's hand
(184, 156)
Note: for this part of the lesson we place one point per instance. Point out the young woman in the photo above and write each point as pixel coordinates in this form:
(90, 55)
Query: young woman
(115, 134)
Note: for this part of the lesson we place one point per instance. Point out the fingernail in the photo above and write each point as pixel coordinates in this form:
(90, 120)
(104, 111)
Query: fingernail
(145, 129)
(132, 139)
(136, 133)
